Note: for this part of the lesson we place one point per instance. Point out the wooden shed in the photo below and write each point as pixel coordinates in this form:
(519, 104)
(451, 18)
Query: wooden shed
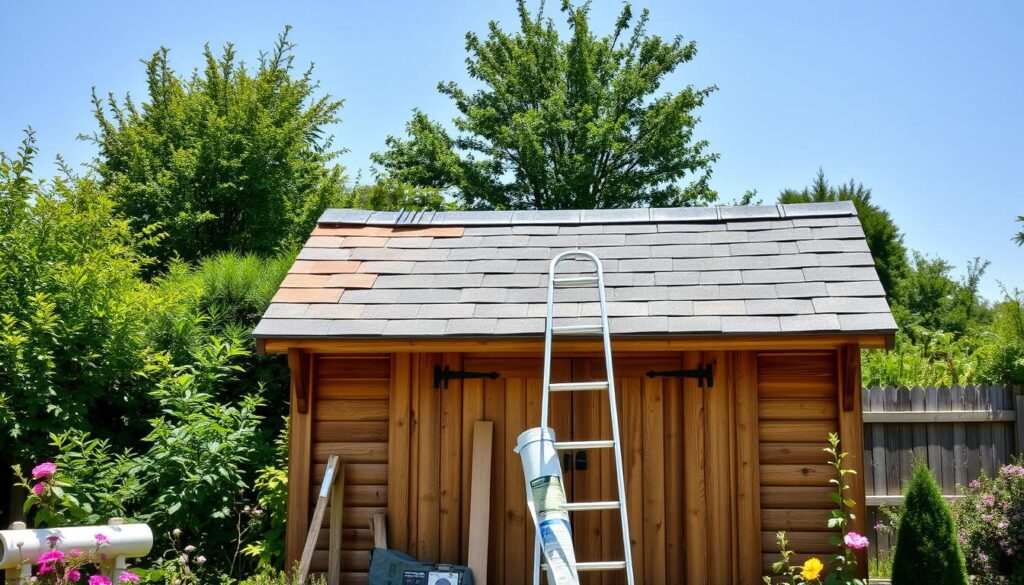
(778, 300)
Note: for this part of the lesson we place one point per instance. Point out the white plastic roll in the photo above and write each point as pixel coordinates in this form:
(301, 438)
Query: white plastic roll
(127, 540)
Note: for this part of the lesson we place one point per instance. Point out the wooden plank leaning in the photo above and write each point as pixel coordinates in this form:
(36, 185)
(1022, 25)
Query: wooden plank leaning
(334, 481)
(480, 500)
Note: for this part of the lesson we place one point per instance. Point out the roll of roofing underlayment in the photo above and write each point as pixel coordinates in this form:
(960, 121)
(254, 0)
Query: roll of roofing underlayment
(545, 498)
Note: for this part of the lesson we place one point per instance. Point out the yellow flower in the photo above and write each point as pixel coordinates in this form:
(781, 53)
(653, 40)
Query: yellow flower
(812, 568)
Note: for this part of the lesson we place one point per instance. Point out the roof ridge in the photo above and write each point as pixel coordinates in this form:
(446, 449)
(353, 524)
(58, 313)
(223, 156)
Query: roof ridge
(714, 214)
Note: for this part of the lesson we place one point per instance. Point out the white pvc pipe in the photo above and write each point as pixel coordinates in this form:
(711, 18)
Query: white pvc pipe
(25, 546)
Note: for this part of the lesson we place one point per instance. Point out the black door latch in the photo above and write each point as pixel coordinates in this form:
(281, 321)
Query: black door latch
(704, 374)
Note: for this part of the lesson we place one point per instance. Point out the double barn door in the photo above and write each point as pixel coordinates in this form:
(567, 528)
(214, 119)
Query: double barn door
(676, 450)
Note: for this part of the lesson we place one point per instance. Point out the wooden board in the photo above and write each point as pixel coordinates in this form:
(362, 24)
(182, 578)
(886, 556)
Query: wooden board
(479, 511)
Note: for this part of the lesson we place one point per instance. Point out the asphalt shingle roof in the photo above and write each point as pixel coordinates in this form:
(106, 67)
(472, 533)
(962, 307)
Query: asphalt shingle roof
(802, 268)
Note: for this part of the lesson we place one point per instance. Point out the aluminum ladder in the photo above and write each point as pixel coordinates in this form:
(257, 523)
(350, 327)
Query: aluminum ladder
(581, 279)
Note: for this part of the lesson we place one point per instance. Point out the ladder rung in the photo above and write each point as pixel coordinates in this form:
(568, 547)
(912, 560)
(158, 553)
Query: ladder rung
(567, 445)
(596, 566)
(577, 329)
(585, 506)
(574, 281)
(577, 386)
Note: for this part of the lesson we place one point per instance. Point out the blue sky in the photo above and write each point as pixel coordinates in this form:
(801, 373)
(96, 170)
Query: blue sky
(921, 101)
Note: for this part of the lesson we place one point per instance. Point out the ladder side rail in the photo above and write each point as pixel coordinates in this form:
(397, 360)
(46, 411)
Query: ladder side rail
(614, 416)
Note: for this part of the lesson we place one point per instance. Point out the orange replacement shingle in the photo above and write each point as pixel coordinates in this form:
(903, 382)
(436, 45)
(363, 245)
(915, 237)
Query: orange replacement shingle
(352, 280)
(305, 281)
(324, 242)
(363, 242)
(348, 230)
(325, 266)
(308, 295)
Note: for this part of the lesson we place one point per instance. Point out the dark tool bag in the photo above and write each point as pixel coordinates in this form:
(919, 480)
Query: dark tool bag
(390, 567)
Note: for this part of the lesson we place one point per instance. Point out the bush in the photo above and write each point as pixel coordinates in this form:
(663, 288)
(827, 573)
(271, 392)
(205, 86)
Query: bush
(990, 521)
(927, 551)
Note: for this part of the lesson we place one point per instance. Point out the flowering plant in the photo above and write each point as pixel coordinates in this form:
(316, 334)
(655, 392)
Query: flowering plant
(843, 562)
(53, 566)
(990, 526)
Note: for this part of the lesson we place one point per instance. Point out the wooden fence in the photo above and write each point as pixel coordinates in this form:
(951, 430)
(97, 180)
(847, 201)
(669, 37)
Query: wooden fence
(960, 432)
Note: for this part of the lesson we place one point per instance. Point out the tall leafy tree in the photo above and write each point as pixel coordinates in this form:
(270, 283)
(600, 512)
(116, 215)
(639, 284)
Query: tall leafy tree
(1019, 238)
(883, 236)
(581, 122)
(228, 158)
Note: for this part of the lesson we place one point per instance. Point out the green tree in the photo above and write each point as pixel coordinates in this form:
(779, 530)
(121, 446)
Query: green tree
(927, 550)
(574, 123)
(1019, 238)
(929, 297)
(388, 195)
(883, 236)
(226, 159)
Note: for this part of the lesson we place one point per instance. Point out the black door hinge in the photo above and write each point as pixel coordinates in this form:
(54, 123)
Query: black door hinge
(445, 374)
(704, 374)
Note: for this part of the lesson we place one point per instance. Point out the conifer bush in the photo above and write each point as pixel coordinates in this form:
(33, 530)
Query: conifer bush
(927, 550)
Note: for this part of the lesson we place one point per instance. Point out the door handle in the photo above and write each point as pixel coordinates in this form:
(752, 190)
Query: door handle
(581, 460)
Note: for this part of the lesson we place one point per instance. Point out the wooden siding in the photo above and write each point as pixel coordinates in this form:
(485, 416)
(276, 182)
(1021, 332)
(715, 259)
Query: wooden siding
(797, 406)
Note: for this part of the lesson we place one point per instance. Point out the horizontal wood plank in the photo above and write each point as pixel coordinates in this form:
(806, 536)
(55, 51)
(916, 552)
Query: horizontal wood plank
(796, 497)
(351, 410)
(941, 416)
(796, 475)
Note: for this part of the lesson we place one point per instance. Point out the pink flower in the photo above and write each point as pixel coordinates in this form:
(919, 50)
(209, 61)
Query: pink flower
(200, 560)
(42, 470)
(44, 569)
(855, 541)
(101, 538)
(53, 539)
(73, 575)
(128, 577)
(38, 489)
(99, 580)
(50, 556)
(75, 552)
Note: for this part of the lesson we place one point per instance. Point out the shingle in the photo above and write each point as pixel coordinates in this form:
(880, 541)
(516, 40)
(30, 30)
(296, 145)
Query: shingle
(870, 322)
(500, 310)
(441, 267)
(677, 238)
(391, 266)
(471, 326)
(415, 327)
(629, 228)
(468, 218)
(576, 230)
(851, 305)
(683, 251)
(489, 266)
(356, 216)
(855, 289)
(639, 293)
(749, 212)
(633, 215)
(840, 274)
(384, 218)
(686, 293)
(473, 254)
(519, 326)
(721, 277)
(701, 324)
(566, 216)
(324, 266)
(511, 280)
(676, 278)
(838, 232)
(316, 327)
(285, 310)
(503, 230)
(790, 323)
(389, 311)
(525, 295)
(687, 214)
(444, 295)
(670, 308)
(414, 242)
(792, 261)
(816, 221)
(772, 276)
(779, 307)
(750, 325)
(370, 296)
(527, 253)
(602, 240)
(400, 281)
(336, 311)
(507, 241)
(756, 226)
(688, 227)
(324, 254)
(554, 241)
(483, 295)
(625, 252)
(851, 259)
(431, 255)
(622, 325)
(754, 249)
(535, 230)
(560, 309)
(463, 242)
(446, 311)
(645, 265)
(819, 209)
(532, 266)
(454, 281)
(747, 291)
(617, 279)
(788, 248)
(719, 308)
(809, 246)
(797, 290)
(780, 235)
